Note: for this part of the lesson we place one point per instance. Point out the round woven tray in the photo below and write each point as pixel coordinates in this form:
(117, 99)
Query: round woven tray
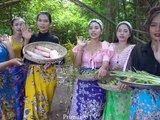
(141, 86)
(90, 76)
(53, 46)
(113, 87)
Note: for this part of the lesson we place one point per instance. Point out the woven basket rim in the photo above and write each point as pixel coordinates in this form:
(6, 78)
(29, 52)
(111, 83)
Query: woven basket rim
(90, 76)
(43, 61)
(113, 87)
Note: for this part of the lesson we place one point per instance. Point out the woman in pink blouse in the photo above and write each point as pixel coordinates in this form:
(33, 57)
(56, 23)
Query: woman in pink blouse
(88, 98)
(118, 103)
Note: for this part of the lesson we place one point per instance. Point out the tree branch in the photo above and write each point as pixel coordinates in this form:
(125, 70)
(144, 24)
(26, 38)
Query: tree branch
(84, 5)
(10, 2)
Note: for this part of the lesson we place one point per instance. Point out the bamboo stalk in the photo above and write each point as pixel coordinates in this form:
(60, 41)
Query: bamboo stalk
(138, 75)
(9, 2)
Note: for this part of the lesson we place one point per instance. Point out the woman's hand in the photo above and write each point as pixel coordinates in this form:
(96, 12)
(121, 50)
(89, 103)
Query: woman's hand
(26, 33)
(47, 65)
(102, 72)
(8, 45)
(5, 40)
(122, 86)
(15, 61)
(81, 42)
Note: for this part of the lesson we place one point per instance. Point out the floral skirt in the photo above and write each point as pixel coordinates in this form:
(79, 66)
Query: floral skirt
(39, 91)
(117, 105)
(12, 84)
(88, 101)
(145, 105)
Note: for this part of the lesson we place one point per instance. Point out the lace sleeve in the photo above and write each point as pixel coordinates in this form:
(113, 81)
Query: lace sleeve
(108, 51)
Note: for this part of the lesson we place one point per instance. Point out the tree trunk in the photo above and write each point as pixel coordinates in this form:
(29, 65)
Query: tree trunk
(112, 13)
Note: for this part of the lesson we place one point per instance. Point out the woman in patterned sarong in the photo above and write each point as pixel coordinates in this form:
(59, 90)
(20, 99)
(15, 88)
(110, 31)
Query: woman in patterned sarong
(146, 57)
(88, 98)
(42, 78)
(9, 98)
(118, 103)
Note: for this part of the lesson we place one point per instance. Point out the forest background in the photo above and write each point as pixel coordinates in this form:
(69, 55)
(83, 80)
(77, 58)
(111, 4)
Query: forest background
(70, 17)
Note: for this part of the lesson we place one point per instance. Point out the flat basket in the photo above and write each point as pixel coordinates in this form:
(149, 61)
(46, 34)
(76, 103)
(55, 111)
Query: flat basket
(113, 87)
(52, 46)
(141, 86)
(90, 76)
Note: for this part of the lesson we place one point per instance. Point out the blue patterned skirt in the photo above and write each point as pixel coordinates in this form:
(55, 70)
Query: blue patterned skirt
(12, 83)
(145, 105)
(88, 100)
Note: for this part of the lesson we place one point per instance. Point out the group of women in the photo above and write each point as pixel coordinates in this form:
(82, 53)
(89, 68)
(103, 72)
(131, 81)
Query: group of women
(27, 88)
(89, 101)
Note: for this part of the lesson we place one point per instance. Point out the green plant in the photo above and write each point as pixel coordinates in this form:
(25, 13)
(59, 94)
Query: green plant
(70, 57)
(70, 60)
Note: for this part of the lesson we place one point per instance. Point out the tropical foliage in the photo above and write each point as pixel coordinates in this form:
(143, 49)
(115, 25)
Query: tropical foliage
(70, 17)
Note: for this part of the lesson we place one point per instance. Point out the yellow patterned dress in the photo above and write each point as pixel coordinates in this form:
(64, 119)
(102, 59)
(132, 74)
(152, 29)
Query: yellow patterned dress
(40, 85)
(17, 46)
(39, 91)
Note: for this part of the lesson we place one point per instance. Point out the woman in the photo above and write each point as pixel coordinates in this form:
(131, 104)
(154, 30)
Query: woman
(145, 57)
(88, 98)
(118, 103)
(16, 39)
(41, 80)
(8, 98)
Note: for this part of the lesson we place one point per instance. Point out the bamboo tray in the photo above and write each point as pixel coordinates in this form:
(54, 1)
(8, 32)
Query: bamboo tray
(53, 46)
(140, 85)
(113, 87)
(90, 76)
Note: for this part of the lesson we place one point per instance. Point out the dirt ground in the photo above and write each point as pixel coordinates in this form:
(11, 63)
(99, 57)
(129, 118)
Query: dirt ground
(62, 98)
(61, 103)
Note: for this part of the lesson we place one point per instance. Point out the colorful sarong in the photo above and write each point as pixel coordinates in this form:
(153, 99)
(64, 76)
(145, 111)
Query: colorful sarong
(88, 100)
(12, 83)
(145, 105)
(117, 105)
(39, 91)
(19, 74)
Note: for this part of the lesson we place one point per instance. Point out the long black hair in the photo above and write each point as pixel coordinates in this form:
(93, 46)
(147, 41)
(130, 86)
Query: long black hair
(45, 13)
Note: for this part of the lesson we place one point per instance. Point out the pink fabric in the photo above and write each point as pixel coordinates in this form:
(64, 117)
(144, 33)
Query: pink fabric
(95, 61)
(120, 59)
